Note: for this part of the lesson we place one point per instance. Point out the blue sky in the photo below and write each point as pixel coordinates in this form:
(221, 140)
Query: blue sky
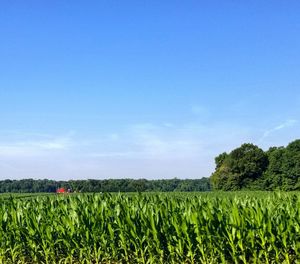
(143, 89)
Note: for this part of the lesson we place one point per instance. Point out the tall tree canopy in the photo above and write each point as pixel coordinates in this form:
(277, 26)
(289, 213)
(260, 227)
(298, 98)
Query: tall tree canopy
(239, 168)
(291, 166)
(249, 167)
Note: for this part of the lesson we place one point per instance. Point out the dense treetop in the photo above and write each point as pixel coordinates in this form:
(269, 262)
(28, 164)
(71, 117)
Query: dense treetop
(249, 167)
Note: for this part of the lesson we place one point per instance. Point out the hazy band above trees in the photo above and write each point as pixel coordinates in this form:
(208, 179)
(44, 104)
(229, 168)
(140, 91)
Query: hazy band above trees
(246, 167)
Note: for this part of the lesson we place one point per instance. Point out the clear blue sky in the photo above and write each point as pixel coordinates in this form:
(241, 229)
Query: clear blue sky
(143, 89)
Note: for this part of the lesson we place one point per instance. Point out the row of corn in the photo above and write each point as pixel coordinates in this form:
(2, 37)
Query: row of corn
(151, 228)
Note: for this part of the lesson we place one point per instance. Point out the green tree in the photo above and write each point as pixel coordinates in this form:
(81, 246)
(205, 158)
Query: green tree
(240, 168)
(274, 175)
(220, 159)
(291, 166)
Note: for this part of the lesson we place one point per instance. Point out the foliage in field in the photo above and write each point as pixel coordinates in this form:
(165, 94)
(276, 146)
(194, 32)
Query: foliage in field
(249, 167)
(152, 228)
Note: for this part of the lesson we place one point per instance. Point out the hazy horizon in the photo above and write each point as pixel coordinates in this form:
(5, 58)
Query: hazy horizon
(143, 90)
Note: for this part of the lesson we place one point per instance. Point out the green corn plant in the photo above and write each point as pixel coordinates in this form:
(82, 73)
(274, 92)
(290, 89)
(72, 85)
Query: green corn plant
(151, 228)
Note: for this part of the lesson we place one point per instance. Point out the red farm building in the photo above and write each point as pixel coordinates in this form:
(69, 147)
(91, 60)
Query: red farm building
(61, 190)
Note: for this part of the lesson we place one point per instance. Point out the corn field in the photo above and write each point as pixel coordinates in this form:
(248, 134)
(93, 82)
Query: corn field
(151, 228)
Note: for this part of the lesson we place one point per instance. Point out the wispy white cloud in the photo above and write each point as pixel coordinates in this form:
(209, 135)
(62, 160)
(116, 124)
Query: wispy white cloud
(110, 154)
(163, 142)
(167, 124)
(151, 150)
(288, 123)
(200, 110)
(35, 145)
(52, 144)
(181, 142)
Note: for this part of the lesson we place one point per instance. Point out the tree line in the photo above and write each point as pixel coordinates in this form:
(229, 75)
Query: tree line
(249, 167)
(109, 185)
